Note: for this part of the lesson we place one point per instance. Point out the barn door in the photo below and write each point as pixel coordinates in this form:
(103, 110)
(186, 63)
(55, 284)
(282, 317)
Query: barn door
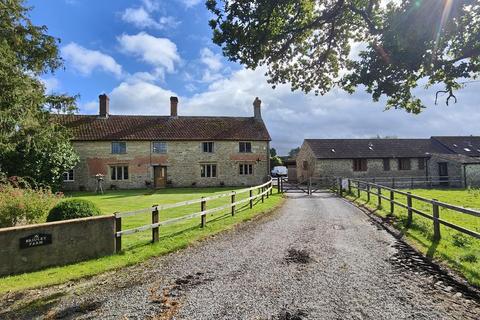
(160, 176)
(443, 173)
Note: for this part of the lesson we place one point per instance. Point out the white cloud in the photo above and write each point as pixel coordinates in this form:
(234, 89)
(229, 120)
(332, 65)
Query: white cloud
(141, 18)
(86, 61)
(190, 3)
(140, 98)
(158, 52)
(211, 60)
(51, 84)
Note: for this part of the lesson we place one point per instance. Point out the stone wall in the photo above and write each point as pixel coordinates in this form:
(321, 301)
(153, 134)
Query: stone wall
(306, 162)
(455, 170)
(182, 159)
(344, 168)
(64, 242)
(472, 172)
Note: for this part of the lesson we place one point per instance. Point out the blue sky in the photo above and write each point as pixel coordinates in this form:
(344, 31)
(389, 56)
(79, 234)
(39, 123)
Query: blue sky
(140, 52)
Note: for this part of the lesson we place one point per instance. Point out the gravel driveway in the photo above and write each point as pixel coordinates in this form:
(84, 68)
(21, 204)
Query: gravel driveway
(317, 258)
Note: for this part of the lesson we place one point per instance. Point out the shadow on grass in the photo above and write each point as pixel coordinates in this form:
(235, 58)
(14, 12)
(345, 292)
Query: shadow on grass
(164, 236)
(432, 249)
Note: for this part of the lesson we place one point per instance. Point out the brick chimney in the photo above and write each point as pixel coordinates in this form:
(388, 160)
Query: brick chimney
(104, 105)
(257, 114)
(173, 106)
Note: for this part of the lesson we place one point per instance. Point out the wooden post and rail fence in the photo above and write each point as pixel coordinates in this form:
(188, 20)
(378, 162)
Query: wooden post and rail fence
(435, 216)
(264, 190)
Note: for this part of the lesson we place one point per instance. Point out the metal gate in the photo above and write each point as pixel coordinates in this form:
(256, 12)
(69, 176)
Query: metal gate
(308, 186)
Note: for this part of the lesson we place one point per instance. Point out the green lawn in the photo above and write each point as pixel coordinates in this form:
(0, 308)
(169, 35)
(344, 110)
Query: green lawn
(461, 252)
(137, 247)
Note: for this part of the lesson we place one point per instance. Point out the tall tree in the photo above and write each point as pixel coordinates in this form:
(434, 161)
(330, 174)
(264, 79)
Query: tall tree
(273, 152)
(294, 152)
(308, 43)
(30, 143)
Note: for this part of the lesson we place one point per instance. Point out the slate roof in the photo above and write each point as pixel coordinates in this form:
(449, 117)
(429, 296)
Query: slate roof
(460, 158)
(374, 148)
(126, 127)
(466, 145)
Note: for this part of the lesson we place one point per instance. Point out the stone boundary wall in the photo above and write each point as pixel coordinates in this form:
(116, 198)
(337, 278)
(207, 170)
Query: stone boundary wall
(34, 247)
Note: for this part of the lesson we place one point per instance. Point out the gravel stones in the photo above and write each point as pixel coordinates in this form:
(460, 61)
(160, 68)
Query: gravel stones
(294, 265)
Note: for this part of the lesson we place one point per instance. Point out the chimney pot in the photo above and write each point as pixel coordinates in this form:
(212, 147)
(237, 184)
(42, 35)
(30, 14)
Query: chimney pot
(257, 114)
(104, 105)
(174, 106)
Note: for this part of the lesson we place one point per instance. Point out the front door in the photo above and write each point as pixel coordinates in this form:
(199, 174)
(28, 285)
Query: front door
(443, 173)
(159, 176)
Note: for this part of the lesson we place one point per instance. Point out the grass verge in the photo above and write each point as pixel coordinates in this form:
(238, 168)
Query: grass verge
(459, 251)
(137, 247)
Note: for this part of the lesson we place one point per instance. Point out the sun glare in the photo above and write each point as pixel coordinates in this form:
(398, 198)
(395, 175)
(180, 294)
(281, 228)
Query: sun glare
(447, 7)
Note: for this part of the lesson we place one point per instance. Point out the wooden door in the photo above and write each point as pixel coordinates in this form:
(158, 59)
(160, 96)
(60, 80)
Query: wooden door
(443, 173)
(159, 176)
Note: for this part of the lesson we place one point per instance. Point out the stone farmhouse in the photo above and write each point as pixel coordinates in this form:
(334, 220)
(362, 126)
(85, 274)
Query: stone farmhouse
(133, 151)
(441, 159)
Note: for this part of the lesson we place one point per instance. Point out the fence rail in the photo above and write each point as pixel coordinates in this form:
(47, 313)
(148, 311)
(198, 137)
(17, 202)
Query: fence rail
(361, 185)
(264, 190)
(412, 182)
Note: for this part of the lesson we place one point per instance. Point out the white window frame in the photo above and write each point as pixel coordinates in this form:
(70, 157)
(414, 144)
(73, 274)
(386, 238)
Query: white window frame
(119, 142)
(115, 168)
(70, 174)
(208, 143)
(207, 171)
(159, 150)
(245, 146)
(245, 169)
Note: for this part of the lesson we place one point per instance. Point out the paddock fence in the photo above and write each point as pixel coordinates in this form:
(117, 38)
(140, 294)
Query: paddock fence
(376, 189)
(262, 191)
(417, 182)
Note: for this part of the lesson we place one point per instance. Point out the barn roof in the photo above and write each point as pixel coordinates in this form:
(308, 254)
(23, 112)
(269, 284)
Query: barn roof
(466, 145)
(374, 148)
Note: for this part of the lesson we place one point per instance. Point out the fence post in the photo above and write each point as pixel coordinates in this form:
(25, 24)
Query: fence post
(251, 199)
(155, 236)
(233, 201)
(358, 189)
(203, 206)
(392, 205)
(268, 192)
(278, 184)
(349, 186)
(118, 239)
(309, 192)
(271, 187)
(436, 223)
(409, 208)
(379, 192)
(368, 192)
(262, 190)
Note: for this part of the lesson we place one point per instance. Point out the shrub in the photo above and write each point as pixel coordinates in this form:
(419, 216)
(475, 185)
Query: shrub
(25, 205)
(73, 209)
